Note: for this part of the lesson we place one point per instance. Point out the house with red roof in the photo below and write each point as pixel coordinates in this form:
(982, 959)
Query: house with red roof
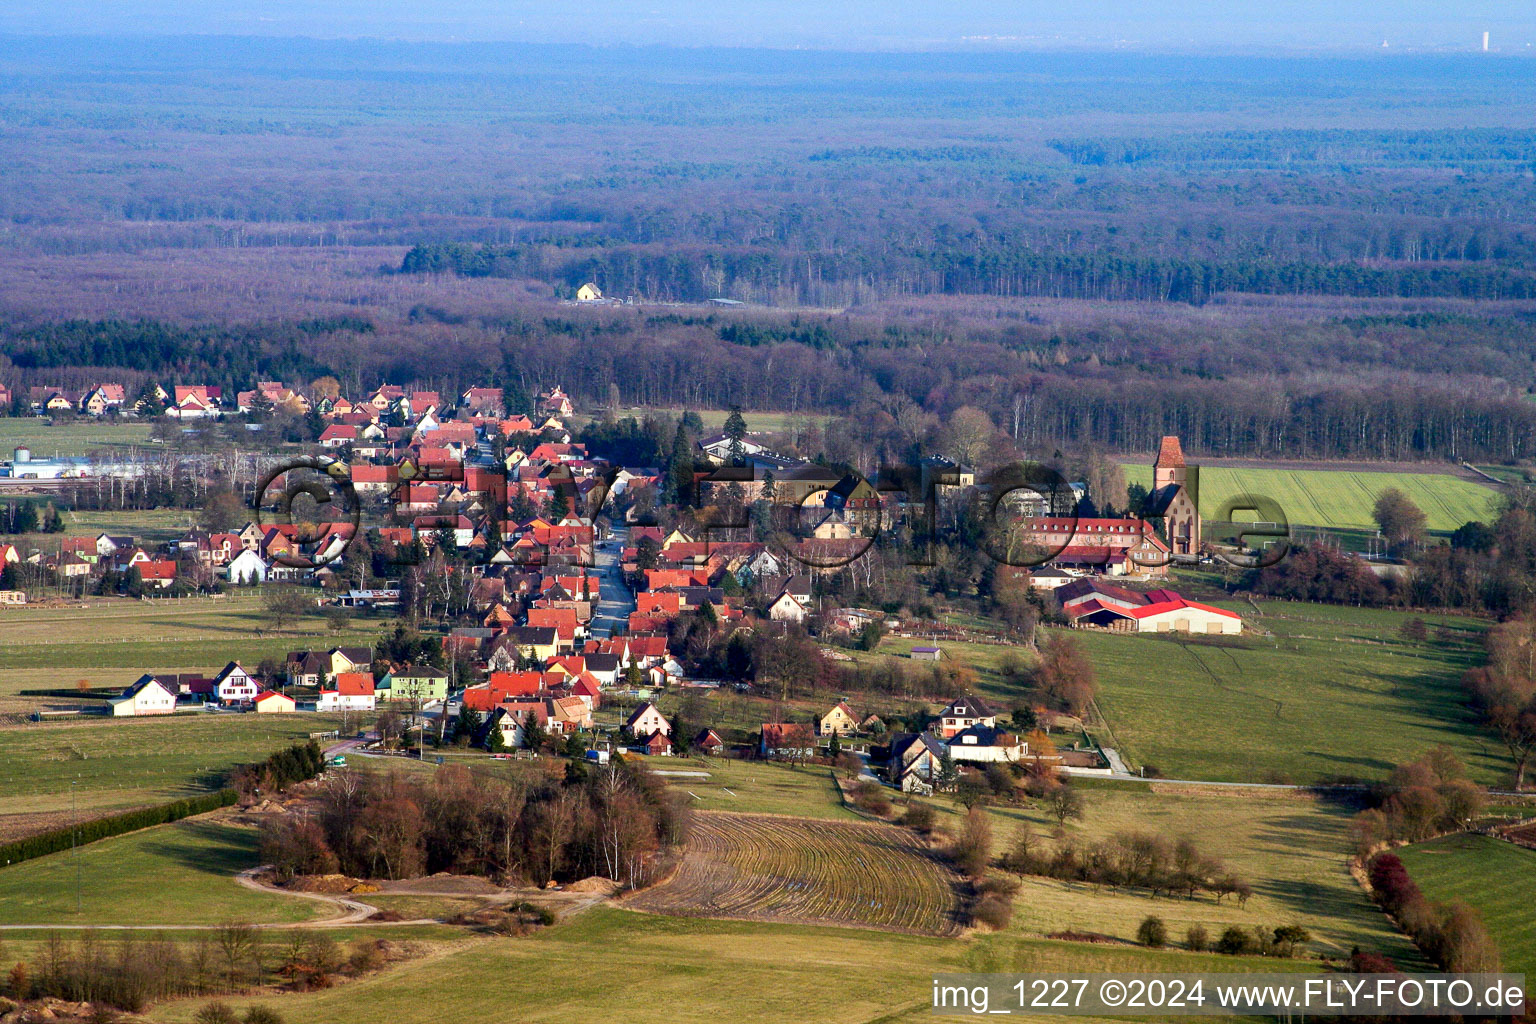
(351, 691)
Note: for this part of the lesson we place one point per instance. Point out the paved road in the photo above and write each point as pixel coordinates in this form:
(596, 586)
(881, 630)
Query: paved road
(615, 601)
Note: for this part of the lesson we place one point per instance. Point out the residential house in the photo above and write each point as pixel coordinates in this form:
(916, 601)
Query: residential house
(839, 721)
(984, 743)
(963, 713)
(708, 742)
(247, 568)
(646, 720)
(351, 691)
(147, 696)
(413, 685)
(232, 684)
(913, 765)
(657, 745)
(787, 741)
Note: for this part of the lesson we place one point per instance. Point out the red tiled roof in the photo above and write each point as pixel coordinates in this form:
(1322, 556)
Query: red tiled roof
(1170, 453)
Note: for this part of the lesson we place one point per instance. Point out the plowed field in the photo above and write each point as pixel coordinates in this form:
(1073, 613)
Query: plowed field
(764, 868)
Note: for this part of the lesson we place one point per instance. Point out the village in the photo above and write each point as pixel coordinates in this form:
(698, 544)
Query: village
(559, 591)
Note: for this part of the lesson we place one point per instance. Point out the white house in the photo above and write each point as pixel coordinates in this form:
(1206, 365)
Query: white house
(786, 608)
(983, 743)
(352, 691)
(147, 696)
(510, 724)
(247, 567)
(647, 719)
(234, 685)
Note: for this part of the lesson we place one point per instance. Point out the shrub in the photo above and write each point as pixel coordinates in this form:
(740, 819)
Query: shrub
(997, 885)
(1152, 932)
(1020, 857)
(216, 1013)
(920, 818)
(972, 846)
(260, 1014)
(870, 798)
(1197, 939)
(994, 911)
(1235, 942)
(1288, 937)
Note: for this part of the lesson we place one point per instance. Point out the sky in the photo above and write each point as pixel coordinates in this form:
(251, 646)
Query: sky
(1188, 25)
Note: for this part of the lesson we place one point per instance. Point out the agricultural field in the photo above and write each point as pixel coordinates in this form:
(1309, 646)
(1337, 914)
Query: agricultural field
(1292, 849)
(1309, 692)
(110, 764)
(177, 874)
(697, 971)
(759, 787)
(70, 437)
(762, 868)
(1339, 498)
(1496, 878)
(113, 641)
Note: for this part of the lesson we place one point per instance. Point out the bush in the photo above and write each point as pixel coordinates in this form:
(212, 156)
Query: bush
(260, 1014)
(870, 798)
(1196, 939)
(1152, 932)
(920, 818)
(996, 885)
(1235, 942)
(972, 846)
(216, 1013)
(994, 911)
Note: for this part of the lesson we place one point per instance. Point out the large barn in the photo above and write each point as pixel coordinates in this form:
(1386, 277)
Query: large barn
(1090, 604)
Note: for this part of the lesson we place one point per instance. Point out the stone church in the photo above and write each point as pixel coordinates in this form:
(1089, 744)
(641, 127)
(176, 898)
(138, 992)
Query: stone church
(1176, 498)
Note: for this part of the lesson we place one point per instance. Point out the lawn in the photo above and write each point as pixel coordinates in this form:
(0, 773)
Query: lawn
(1292, 849)
(758, 787)
(115, 640)
(135, 761)
(1496, 878)
(178, 874)
(70, 437)
(695, 970)
(1329, 692)
(1339, 498)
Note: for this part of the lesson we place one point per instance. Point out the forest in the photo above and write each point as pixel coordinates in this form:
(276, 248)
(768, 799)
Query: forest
(1253, 253)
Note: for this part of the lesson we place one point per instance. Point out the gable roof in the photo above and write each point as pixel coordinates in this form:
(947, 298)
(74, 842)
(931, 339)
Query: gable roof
(968, 707)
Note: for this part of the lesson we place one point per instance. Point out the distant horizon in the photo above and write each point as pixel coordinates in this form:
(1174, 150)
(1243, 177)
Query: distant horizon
(972, 46)
(1296, 27)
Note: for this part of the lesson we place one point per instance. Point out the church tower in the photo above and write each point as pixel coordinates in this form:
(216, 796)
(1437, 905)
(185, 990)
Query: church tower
(1169, 467)
(1175, 498)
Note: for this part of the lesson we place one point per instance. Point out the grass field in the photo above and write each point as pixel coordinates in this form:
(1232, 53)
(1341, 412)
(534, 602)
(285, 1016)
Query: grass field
(135, 761)
(115, 640)
(1331, 692)
(1338, 498)
(73, 437)
(610, 964)
(179, 874)
(809, 872)
(1309, 692)
(757, 787)
(1292, 850)
(1496, 878)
